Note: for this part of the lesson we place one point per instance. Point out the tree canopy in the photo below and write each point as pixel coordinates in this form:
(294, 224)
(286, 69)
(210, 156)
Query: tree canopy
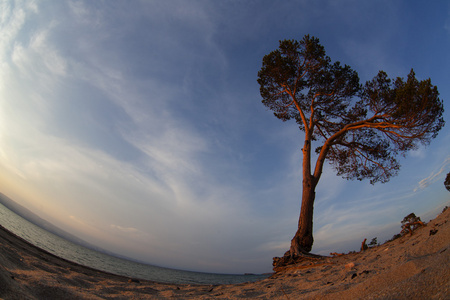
(362, 127)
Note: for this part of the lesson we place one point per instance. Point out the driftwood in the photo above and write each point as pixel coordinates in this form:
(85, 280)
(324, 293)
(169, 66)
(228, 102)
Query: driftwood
(364, 245)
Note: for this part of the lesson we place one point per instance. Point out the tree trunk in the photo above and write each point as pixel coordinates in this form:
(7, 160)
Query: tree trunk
(302, 242)
(303, 239)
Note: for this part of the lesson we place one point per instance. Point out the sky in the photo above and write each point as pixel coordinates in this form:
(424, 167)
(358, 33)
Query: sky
(138, 125)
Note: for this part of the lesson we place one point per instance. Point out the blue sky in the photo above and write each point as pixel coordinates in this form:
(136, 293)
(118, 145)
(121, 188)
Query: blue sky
(138, 125)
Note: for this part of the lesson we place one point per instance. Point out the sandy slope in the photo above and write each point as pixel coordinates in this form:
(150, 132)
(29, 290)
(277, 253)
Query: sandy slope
(412, 267)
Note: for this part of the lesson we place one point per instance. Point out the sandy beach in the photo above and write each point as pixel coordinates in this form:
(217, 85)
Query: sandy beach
(411, 267)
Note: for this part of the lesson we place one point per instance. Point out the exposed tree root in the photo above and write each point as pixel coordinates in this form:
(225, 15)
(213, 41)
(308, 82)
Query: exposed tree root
(281, 263)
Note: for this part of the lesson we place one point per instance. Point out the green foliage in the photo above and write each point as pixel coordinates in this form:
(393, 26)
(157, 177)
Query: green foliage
(299, 72)
(411, 218)
(362, 127)
(373, 242)
(447, 182)
(410, 223)
(406, 226)
(396, 236)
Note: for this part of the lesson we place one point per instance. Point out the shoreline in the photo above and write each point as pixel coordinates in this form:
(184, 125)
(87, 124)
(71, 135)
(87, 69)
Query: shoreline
(248, 277)
(5, 232)
(414, 266)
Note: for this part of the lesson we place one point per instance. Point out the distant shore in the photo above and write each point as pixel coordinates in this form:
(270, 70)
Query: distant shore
(411, 267)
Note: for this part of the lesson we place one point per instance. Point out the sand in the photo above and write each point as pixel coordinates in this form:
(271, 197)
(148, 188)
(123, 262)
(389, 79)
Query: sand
(411, 267)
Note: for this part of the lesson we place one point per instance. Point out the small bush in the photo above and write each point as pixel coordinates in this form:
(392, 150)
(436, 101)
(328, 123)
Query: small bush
(410, 223)
(394, 237)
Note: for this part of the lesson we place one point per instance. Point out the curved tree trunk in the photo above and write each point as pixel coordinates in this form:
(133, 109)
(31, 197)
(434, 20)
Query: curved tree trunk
(303, 240)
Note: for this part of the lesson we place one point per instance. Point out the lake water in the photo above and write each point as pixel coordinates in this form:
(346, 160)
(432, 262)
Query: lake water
(100, 261)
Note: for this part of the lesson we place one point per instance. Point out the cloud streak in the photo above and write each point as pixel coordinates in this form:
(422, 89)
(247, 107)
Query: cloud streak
(434, 176)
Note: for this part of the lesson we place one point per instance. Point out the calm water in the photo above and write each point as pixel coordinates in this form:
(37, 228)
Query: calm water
(87, 257)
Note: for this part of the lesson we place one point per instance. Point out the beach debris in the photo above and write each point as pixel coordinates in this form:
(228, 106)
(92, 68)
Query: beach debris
(334, 254)
(132, 280)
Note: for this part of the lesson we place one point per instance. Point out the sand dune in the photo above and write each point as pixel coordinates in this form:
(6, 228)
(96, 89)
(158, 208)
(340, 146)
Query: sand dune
(411, 267)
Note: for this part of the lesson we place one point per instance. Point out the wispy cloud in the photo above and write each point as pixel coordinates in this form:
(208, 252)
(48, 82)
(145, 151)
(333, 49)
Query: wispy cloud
(12, 19)
(434, 176)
